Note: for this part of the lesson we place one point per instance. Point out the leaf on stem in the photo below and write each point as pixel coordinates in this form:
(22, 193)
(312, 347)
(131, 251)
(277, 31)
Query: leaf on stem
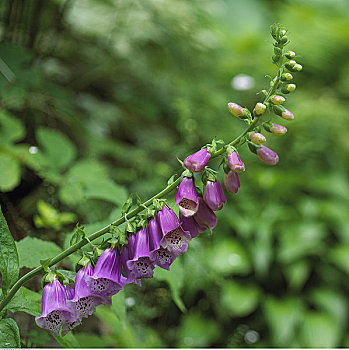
(9, 334)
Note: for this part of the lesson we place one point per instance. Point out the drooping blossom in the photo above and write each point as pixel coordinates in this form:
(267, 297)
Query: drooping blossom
(267, 155)
(235, 162)
(106, 279)
(205, 217)
(141, 265)
(231, 181)
(186, 197)
(55, 310)
(214, 195)
(197, 161)
(189, 224)
(175, 239)
(127, 253)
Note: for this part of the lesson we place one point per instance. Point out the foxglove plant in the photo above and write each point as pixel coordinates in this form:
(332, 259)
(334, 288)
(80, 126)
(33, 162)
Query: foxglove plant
(165, 237)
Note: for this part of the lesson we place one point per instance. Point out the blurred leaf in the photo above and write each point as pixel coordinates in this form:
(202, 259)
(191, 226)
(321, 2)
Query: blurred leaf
(297, 273)
(10, 174)
(68, 341)
(239, 300)
(319, 330)
(8, 256)
(339, 256)
(11, 129)
(31, 250)
(58, 150)
(197, 332)
(283, 317)
(27, 301)
(90, 340)
(9, 334)
(175, 279)
(228, 257)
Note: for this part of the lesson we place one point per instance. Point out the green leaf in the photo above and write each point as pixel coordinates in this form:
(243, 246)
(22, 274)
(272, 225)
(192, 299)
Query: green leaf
(58, 150)
(283, 317)
(27, 301)
(68, 341)
(319, 330)
(339, 256)
(127, 205)
(175, 279)
(9, 334)
(8, 256)
(31, 250)
(239, 300)
(11, 129)
(10, 174)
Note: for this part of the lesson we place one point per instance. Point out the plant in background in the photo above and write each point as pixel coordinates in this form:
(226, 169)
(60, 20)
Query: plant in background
(153, 235)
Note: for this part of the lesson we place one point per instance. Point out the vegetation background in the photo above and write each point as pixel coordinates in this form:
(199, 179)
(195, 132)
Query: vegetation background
(98, 98)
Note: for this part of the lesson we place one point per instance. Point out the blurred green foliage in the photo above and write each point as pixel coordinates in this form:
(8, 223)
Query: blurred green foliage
(98, 98)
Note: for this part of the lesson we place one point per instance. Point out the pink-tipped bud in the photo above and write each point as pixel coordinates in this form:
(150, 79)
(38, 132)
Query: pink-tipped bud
(257, 138)
(288, 115)
(260, 108)
(267, 155)
(277, 129)
(231, 182)
(235, 109)
(277, 100)
(235, 162)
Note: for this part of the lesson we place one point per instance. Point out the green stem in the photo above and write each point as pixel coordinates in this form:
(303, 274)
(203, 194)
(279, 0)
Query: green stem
(40, 270)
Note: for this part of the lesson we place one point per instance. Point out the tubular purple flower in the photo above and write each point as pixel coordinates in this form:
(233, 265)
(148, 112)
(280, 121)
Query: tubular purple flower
(235, 162)
(267, 156)
(205, 217)
(127, 253)
(141, 265)
(55, 310)
(231, 182)
(68, 326)
(175, 239)
(106, 279)
(186, 197)
(190, 225)
(214, 195)
(161, 256)
(197, 161)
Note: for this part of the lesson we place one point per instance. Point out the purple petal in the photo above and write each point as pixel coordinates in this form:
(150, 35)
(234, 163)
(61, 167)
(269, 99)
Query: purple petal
(235, 162)
(231, 182)
(214, 195)
(205, 217)
(163, 257)
(190, 225)
(186, 197)
(197, 161)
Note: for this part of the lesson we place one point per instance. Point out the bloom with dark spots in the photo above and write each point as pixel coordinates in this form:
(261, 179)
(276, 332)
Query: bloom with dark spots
(106, 279)
(55, 309)
(175, 239)
(186, 197)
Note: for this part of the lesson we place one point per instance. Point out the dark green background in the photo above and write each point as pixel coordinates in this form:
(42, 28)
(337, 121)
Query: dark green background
(111, 92)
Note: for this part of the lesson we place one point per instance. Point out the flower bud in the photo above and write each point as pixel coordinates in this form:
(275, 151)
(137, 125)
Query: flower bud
(260, 108)
(235, 162)
(283, 39)
(278, 110)
(235, 109)
(253, 147)
(297, 67)
(277, 99)
(277, 50)
(290, 54)
(286, 76)
(290, 64)
(277, 129)
(267, 155)
(197, 161)
(290, 87)
(257, 138)
(231, 182)
(288, 115)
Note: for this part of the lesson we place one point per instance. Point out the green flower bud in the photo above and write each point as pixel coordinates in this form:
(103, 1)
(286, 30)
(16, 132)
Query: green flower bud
(284, 39)
(277, 99)
(260, 108)
(290, 64)
(297, 67)
(290, 87)
(275, 58)
(283, 32)
(286, 76)
(277, 51)
(257, 138)
(290, 54)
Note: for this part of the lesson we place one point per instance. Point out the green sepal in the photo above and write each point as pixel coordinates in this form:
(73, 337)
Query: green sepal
(127, 205)
(45, 264)
(208, 175)
(267, 126)
(230, 149)
(253, 147)
(84, 261)
(180, 162)
(285, 91)
(278, 109)
(171, 180)
(187, 173)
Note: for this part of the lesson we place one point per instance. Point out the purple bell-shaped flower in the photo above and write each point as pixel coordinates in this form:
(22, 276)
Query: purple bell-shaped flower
(235, 162)
(106, 279)
(161, 256)
(186, 197)
(175, 239)
(189, 224)
(141, 265)
(214, 195)
(197, 161)
(205, 217)
(231, 181)
(267, 155)
(55, 310)
(68, 326)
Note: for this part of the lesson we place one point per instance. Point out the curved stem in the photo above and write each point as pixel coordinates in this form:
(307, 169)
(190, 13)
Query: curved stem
(39, 270)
